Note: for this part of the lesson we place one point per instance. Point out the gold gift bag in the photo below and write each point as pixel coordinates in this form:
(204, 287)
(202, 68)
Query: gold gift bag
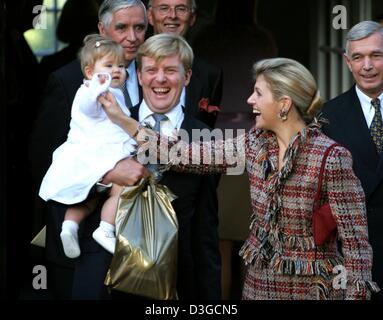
(145, 259)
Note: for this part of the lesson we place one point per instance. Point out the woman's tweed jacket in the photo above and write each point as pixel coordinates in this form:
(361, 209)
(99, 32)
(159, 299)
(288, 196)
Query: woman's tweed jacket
(283, 261)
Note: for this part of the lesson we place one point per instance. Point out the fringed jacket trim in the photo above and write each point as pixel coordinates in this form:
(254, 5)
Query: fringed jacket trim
(281, 237)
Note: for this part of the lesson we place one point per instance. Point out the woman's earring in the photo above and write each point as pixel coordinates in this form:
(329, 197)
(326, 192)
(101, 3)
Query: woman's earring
(283, 115)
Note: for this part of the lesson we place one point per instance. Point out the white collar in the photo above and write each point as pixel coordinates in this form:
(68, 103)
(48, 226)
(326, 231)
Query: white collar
(367, 108)
(365, 99)
(175, 115)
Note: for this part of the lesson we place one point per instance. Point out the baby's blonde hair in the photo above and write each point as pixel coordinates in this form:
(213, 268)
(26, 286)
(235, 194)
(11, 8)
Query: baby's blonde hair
(96, 47)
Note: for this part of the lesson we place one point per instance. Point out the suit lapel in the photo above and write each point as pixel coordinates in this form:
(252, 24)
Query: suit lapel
(193, 92)
(134, 112)
(359, 142)
(355, 126)
(187, 125)
(140, 96)
(379, 170)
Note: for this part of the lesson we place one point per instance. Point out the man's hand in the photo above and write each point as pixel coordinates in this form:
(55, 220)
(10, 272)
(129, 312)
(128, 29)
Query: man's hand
(111, 108)
(116, 115)
(126, 172)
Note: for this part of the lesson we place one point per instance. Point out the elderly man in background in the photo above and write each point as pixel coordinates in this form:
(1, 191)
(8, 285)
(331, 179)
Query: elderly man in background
(177, 17)
(355, 121)
(125, 22)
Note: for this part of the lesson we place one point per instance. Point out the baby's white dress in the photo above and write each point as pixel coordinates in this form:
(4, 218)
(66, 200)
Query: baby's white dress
(93, 147)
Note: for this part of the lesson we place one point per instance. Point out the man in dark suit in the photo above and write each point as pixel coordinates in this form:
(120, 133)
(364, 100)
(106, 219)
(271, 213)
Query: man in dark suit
(355, 120)
(177, 17)
(199, 98)
(83, 278)
(125, 22)
(164, 63)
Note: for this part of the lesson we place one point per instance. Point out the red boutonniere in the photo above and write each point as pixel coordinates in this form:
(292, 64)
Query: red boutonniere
(203, 105)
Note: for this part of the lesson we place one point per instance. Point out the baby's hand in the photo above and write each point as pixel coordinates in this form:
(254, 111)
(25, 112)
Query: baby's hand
(99, 84)
(102, 77)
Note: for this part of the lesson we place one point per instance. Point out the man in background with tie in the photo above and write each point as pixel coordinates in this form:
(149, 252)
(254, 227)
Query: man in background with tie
(355, 121)
(125, 22)
(178, 17)
(200, 98)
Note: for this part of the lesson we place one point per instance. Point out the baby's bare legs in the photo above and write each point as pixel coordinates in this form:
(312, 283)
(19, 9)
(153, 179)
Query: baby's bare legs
(105, 233)
(73, 217)
(109, 209)
(79, 212)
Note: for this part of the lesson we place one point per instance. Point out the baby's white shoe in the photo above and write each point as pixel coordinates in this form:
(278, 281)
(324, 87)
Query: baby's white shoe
(70, 243)
(105, 239)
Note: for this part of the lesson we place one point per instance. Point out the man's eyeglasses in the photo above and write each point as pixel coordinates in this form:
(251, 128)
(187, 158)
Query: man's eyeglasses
(180, 10)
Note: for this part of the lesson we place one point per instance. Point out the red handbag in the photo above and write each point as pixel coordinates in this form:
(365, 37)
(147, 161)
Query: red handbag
(324, 225)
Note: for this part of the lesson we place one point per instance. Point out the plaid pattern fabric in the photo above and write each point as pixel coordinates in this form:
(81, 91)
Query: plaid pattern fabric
(376, 128)
(264, 284)
(283, 261)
